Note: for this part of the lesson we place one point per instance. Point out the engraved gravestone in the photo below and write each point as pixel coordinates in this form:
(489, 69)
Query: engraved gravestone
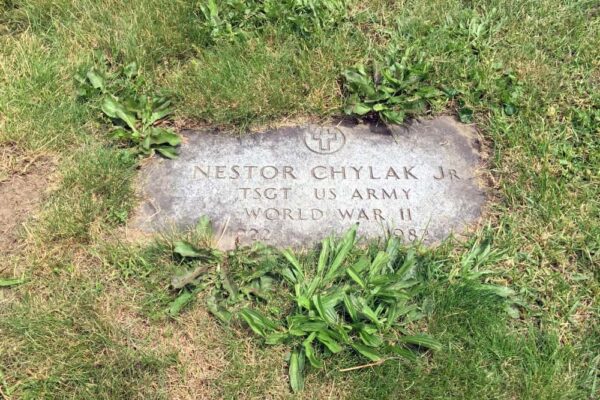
(294, 186)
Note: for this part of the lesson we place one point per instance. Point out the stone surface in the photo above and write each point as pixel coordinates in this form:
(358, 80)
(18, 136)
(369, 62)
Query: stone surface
(294, 186)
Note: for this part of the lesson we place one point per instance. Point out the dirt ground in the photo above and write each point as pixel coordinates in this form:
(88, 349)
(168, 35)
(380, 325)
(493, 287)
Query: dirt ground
(24, 181)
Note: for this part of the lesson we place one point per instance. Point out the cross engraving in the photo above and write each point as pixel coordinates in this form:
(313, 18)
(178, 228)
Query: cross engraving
(324, 140)
(325, 137)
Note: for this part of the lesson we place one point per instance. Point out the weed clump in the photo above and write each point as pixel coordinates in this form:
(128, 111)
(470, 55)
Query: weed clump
(342, 301)
(238, 19)
(135, 117)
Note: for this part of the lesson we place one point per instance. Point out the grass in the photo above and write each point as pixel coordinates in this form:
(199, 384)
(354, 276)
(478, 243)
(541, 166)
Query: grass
(529, 362)
(90, 357)
(90, 320)
(95, 189)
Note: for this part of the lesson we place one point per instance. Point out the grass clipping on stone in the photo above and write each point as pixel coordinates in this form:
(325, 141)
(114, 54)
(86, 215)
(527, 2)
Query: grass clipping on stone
(342, 303)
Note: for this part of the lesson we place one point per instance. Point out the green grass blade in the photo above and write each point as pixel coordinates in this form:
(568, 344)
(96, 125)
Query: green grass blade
(367, 351)
(324, 256)
(381, 259)
(310, 351)
(257, 322)
(356, 277)
(296, 370)
(423, 341)
(392, 250)
(370, 339)
(11, 282)
(408, 264)
(276, 338)
(325, 338)
(403, 352)
(346, 246)
(362, 264)
(327, 313)
(186, 249)
(179, 303)
(297, 267)
(351, 306)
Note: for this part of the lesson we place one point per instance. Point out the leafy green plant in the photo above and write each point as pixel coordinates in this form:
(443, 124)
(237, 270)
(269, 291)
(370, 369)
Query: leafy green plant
(470, 273)
(136, 117)
(366, 303)
(501, 93)
(392, 92)
(510, 91)
(364, 306)
(9, 282)
(234, 19)
(228, 19)
(230, 278)
(306, 17)
(103, 77)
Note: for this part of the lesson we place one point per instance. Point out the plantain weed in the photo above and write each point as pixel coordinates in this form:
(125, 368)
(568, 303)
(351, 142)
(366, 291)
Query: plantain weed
(135, 117)
(392, 90)
(365, 302)
(363, 306)
(230, 278)
(338, 305)
(238, 19)
(10, 282)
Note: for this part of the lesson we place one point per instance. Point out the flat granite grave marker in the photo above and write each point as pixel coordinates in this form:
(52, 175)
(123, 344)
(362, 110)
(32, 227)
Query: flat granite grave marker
(294, 186)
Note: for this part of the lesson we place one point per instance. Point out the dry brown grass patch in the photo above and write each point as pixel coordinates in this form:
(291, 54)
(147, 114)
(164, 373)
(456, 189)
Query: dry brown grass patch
(24, 181)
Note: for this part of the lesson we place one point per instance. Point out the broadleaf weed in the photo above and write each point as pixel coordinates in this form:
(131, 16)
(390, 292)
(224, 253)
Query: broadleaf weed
(340, 304)
(238, 19)
(135, 117)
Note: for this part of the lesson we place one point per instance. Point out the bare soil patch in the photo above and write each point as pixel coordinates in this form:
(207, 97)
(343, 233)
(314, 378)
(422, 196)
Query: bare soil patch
(24, 179)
